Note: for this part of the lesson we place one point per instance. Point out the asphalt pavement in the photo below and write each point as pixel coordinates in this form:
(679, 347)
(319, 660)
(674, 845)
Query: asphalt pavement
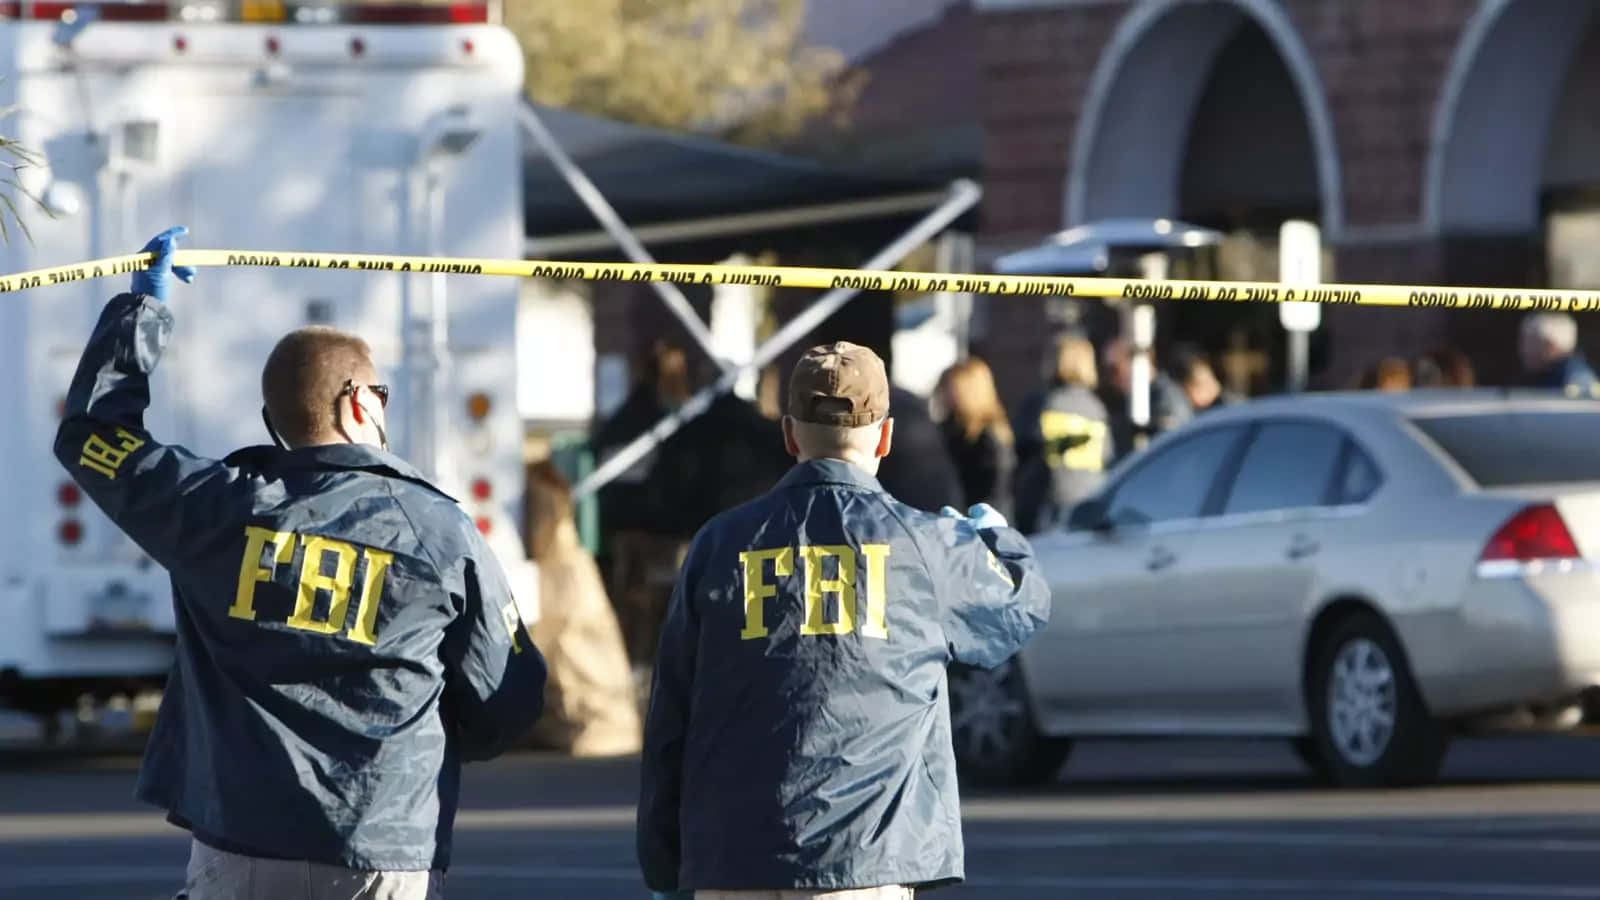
(1513, 817)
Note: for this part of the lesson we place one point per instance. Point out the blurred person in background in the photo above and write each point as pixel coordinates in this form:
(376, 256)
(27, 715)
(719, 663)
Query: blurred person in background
(1548, 346)
(590, 704)
(978, 435)
(660, 385)
(1389, 374)
(921, 473)
(1443, 367)
(1192, 371)
(1063, 439)
(729, 454)
(644, 555)
(1169, 408)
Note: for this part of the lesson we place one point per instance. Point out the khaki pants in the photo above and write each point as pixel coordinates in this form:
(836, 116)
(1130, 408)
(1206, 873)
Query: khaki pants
(217, 875)
(856, 894)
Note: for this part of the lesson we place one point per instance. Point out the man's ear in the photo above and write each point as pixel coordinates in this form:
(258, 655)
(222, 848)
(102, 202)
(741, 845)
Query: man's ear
(885, 438)
(789, 443)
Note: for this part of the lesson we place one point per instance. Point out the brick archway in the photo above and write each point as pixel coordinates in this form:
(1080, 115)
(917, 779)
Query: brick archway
(1129, 148)
(1491, 130)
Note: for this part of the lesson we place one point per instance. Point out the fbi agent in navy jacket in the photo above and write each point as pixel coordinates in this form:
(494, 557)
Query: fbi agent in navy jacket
(798, 737)
(345, 637)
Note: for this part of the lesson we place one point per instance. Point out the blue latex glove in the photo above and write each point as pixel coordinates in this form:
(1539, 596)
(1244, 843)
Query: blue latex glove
(981, 515)
(984, 517)
(156, 281)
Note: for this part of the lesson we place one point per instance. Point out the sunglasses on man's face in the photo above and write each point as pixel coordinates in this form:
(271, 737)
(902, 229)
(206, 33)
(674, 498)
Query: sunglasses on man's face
(382, 390)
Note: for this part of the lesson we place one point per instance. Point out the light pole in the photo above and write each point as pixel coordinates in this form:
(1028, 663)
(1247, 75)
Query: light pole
(1299, 265)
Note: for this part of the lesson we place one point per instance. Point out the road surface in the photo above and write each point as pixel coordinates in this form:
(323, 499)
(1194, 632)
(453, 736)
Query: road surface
(1514, 817)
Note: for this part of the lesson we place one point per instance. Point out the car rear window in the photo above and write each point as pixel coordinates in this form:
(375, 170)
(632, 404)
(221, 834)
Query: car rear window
(1506, 449)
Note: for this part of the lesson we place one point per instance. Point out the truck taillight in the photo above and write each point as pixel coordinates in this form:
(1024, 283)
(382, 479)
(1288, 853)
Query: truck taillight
(481, 490)
(69, 495)
(478, 406)
(108, 12)
(1535, 533)
(70, 532)
(418, 14)
(484, 525)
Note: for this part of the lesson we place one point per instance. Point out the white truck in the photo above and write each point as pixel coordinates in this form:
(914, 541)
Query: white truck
(377, 128)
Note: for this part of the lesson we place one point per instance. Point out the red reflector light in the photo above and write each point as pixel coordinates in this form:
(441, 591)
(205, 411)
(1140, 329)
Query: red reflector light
(484, 524)
(418, 14)
(481, 489)
(273, 46)
(180, 43)
(71, 532)
(1535, 533)
(69, 495)
(357, 46)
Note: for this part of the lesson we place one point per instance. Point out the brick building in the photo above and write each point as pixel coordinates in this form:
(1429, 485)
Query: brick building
(1448, 141)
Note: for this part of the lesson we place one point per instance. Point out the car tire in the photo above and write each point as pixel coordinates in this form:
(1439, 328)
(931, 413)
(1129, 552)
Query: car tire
(997, 742)
(1369, 722)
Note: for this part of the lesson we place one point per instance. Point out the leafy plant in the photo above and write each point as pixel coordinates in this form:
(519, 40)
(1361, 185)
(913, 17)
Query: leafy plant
(738, 68)
(15, 158)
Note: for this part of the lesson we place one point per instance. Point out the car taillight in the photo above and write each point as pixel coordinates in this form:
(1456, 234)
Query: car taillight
(1535, 533)
(69, 495)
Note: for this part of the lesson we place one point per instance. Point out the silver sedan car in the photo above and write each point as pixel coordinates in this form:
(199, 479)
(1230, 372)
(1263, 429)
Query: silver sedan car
(1362, 574)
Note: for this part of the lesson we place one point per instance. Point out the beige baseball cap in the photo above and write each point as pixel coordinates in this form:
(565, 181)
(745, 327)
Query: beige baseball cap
(840, 384)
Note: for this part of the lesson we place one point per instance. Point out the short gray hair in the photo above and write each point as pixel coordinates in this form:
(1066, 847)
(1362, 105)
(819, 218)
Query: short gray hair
(1559, 330)
(832, 440)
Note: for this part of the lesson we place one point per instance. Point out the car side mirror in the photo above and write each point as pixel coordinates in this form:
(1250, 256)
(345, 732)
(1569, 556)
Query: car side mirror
(1091, 515)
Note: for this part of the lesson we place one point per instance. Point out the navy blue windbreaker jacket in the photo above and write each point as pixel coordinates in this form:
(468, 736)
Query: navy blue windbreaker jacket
(344, 634)
(799, 730)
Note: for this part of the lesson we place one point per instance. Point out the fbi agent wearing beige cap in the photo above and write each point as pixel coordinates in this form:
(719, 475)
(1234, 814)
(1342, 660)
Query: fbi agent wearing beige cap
(798, 740)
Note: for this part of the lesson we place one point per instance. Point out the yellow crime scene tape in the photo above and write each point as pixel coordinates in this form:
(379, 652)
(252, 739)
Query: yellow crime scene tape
(859, 279)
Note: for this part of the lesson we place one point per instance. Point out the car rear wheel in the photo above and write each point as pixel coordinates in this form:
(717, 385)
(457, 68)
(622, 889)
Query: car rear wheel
(1369, 721)
(992, 726)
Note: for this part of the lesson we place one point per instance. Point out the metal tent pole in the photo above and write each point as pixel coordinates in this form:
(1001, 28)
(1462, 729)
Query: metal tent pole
(601, 209)
(963, 195)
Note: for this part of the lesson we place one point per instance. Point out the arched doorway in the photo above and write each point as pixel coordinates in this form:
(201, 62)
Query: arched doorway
(1212, 113)
(1513, 183)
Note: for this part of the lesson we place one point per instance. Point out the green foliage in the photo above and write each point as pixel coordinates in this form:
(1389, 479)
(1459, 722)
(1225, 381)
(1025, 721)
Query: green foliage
(737, 68)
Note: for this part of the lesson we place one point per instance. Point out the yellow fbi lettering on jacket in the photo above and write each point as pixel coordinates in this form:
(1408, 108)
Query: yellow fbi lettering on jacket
(106, 457)
(816, 563)
(314, 580)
